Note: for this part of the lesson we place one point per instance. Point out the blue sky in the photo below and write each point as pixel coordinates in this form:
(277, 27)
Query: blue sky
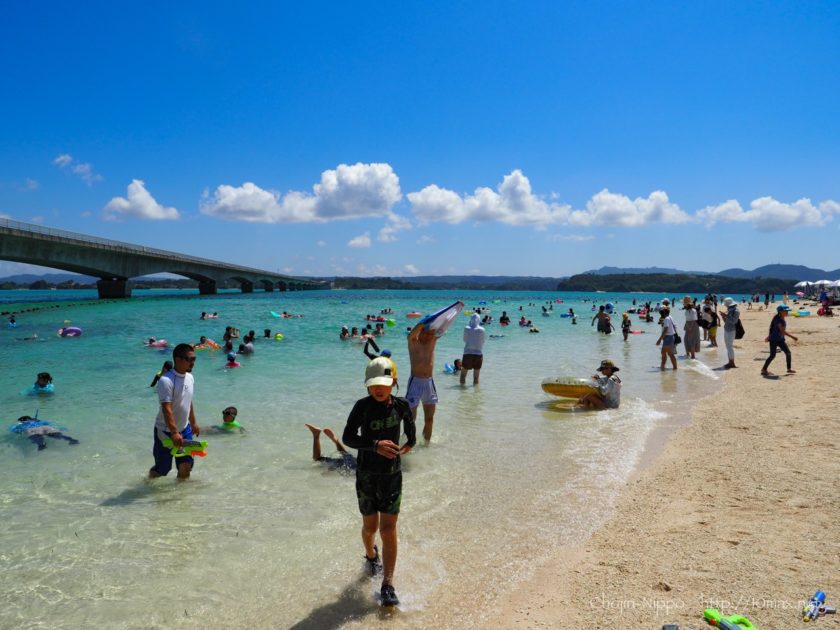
(533, 138)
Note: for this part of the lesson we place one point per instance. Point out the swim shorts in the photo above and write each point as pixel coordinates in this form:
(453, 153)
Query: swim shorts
(163, 456)
(472, 361)
(668, 340)
(421, 390)
(379, 492)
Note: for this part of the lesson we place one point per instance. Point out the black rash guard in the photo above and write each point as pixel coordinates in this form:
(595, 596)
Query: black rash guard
(371, 421)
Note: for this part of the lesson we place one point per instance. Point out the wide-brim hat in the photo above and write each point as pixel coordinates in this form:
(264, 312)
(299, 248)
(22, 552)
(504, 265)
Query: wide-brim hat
(727, 302)
(607, 363)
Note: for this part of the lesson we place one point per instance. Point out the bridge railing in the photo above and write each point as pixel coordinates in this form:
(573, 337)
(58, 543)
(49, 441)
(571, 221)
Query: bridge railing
(31, 228)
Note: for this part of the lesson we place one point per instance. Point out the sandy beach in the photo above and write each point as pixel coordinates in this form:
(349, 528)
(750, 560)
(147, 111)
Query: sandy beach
(738, 511)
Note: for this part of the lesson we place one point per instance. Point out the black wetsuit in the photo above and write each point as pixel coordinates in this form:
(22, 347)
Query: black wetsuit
(378, 479)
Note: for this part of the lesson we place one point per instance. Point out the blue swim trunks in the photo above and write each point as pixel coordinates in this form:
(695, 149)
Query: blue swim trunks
(421, 390)
(163, 456)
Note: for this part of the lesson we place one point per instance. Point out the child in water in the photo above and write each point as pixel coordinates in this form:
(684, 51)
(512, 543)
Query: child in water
(231, 361)
(43, 384)
(167, 365)
(229, 422)
(36, 430)
(345, 463)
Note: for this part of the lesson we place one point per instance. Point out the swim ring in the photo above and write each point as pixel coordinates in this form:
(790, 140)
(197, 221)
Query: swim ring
(278, 336)
(69, 331)
(160, 343)
(569, 387)
(414, 315)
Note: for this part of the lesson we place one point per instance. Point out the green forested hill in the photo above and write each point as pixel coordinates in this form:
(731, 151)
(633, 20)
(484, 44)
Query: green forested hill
(679, 283)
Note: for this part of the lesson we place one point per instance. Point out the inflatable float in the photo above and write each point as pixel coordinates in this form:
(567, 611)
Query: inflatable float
(414, 315)
(569, 387)
(158, 343)
(69, 331)
(800, 313)
(440, 321)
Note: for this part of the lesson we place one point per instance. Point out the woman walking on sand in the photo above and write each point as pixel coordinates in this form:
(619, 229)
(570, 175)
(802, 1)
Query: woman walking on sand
(692, 329)
(778, 332)
(730, 318)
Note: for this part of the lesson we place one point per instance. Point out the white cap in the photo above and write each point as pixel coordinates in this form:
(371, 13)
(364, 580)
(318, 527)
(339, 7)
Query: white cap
(379, 372)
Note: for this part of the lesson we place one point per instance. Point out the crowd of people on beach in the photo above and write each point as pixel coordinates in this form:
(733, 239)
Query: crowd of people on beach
(377, 421)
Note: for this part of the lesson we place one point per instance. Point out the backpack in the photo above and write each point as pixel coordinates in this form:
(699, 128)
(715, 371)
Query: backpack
(739, 330)
(701, 321)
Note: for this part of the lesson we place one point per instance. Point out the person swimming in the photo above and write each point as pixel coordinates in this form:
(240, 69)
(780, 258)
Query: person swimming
(37, 430)
(345, 463)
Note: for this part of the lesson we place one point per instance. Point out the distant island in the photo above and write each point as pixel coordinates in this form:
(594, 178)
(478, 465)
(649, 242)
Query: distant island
(770, 278)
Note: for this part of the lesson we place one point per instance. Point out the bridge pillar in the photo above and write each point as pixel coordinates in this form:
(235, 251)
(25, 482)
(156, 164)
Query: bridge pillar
(247, 287)
(268, 287)
(207, 287)
(113, 288)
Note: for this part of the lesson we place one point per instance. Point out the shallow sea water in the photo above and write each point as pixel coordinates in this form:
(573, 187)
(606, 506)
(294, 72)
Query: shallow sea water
(262, 536)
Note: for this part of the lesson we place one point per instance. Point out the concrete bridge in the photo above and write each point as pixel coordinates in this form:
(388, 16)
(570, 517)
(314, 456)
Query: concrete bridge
(115, 262)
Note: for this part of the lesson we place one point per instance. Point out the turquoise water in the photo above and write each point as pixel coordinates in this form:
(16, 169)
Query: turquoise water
(261, 534)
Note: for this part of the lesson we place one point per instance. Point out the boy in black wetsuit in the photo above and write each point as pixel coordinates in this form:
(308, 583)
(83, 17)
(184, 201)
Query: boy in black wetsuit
(373, 428)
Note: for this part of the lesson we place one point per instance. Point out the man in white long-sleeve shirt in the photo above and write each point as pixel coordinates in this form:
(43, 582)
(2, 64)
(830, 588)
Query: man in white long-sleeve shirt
(473, 358)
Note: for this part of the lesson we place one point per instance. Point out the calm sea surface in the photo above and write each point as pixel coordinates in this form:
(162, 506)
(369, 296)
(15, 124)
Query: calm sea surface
(262, 536)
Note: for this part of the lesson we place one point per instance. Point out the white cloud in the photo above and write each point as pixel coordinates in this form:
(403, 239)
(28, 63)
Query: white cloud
(83, 169)
(396, 223)
(5, 216)
(611, 209)
(363, 240)
(578, 238)
(321, 243)
(138, 203)
(411, 270)
(425, 240)
(512, 203)
(346, 192)
(86, 174)
(30, 184)
(375, 270)
(769, 215)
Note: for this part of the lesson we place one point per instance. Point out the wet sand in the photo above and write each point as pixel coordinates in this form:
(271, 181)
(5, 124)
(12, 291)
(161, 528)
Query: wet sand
(739, 511)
